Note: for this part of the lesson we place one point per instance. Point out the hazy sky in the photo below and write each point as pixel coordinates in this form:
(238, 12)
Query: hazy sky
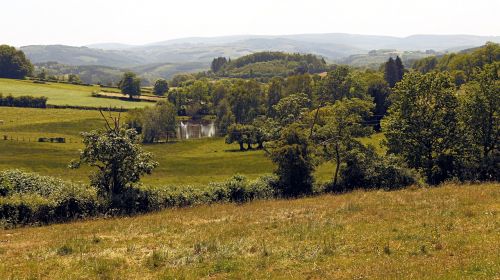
(80, 22)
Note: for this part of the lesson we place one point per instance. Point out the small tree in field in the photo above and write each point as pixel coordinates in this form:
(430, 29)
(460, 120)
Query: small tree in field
(119, 159)
(161, 87)
(130, 85)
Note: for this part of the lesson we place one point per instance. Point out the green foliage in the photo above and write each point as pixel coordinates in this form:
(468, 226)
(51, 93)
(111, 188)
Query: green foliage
(182, 79)
(479, 119)
(13, 63)
(421, 126)
(245, 98)
(217, 64)
(23, 101)
(393, 71)
(271, 64)
(292, 154)
(465, 61)
(225, 117)
(158, 122)
(160, 87)
(27, 198)
(119, 159)
(290, 109)
(74, 79)
(274, 94)
(299, 84)
(130, 85)
(364, 168)
(238, 133)
(339, 125)
(338, 84)
(236, 189)
(379, 90)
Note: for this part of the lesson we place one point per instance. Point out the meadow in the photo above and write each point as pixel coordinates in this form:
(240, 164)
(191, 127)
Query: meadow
(447, 232)
(64, 94)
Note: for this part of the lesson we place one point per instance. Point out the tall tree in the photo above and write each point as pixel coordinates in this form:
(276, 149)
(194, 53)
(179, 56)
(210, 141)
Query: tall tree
(130, 85)
(13, 63)
(400, 69)
(159, 122)
(421, 125)
(338, 84)
(480, 120)
(225, 117)
(340, 124)
(289, 109)
(274, 94)
(245, 98)
(391, 72)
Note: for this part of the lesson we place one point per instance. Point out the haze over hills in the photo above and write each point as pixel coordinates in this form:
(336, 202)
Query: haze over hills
(165, 58)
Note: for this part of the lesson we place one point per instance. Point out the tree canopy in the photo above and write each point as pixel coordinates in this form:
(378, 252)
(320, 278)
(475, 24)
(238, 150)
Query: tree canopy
(13, 63)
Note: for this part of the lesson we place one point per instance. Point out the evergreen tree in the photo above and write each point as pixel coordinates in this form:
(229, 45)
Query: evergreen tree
(400, 69)
(390, 72)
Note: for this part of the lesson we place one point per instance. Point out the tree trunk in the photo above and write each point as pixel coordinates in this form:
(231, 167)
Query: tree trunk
(241, 146)
(337, 168)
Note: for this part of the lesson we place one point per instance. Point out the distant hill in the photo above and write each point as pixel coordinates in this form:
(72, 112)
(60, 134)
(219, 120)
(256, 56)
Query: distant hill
(197, 52)
(272, 64)
(98, 74)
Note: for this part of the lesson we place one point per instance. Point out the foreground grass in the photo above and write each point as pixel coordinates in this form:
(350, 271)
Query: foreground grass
(450, 232)
(64, 94)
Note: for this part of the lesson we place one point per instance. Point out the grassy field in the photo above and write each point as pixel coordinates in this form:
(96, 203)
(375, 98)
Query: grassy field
(187, 162)
(449, 232)
(64, 94)
(193, 162)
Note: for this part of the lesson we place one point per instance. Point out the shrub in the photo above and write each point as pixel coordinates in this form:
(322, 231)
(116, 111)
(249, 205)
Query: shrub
(27, 198)
(365, 169)
(23, 101)
(239, 189)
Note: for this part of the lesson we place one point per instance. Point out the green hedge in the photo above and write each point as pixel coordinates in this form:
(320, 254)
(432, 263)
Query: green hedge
(27, 198)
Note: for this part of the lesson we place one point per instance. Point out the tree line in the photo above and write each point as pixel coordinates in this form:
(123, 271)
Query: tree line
(23, 101)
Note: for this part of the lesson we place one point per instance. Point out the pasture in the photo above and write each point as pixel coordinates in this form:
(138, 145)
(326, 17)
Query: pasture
(448, 232)
(64, 94)
(192, 162)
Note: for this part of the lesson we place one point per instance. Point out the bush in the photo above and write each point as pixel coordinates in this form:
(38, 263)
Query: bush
(30, 199)
(23, 101)
(27, 198)
(140, 199)
(365, 169)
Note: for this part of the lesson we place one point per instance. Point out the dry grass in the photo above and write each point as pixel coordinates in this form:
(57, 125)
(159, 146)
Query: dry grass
(450, 232)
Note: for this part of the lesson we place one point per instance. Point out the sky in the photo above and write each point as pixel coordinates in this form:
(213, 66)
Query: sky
(82, 22)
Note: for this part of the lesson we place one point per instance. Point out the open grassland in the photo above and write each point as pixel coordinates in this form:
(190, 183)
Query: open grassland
(449, 232)
(64, 94)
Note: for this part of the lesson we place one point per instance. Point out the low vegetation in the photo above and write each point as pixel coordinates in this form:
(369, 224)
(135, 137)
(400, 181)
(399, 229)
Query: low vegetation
(447, 232)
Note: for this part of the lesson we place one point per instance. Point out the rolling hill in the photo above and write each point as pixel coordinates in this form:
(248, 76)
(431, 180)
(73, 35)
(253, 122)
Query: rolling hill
(166, 58)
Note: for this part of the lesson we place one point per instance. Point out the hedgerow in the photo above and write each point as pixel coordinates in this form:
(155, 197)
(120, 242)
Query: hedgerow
(31, 199)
